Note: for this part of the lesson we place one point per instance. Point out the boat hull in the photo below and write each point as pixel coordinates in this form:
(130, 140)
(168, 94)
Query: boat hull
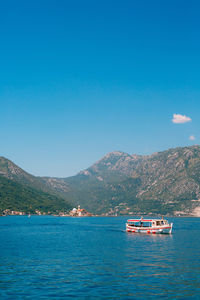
(150, 230)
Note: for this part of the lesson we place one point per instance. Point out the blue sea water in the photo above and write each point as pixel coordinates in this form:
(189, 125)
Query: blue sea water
(46, 257)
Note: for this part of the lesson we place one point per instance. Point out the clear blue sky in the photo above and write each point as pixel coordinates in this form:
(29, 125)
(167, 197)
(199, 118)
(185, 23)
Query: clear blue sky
(79, 79)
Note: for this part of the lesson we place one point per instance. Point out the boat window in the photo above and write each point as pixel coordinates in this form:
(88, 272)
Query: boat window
(131, 223)
(158, 223)
(140, 223)
(146, 224)
(135, 223)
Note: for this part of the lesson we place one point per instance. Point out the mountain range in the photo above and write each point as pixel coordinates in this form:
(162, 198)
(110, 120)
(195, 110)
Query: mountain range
(166, 182)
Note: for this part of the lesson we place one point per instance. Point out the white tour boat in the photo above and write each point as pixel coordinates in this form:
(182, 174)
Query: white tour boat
(148, 226)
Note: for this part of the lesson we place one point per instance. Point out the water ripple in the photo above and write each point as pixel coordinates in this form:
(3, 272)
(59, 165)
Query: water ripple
(94, 258)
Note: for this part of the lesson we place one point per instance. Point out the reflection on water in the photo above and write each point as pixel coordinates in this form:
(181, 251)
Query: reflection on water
(49, 257)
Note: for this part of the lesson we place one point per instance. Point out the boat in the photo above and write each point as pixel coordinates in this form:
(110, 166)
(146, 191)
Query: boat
(150, 226)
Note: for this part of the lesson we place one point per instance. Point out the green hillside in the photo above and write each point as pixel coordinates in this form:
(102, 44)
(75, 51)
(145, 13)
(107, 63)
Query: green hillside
(15, 196)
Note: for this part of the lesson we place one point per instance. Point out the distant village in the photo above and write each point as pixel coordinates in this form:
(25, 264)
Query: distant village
(75, 212)
(119, 210)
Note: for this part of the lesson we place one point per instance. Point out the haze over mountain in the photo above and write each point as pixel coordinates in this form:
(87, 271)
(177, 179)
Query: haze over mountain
(164, 182)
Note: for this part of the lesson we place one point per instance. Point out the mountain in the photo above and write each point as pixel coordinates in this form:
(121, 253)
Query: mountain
(164, 182)
(17, 197)
(21, 191)
(11, 171)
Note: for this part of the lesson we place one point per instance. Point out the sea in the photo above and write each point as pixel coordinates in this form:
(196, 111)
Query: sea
(47, 257)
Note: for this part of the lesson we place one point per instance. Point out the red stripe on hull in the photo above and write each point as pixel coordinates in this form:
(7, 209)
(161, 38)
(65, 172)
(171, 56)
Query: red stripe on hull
(149, 228)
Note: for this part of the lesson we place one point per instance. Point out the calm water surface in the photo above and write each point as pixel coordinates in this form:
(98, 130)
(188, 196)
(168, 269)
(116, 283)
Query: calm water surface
(48, 257)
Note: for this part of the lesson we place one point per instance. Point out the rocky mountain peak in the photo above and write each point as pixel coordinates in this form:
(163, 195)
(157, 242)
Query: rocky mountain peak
(9, 169)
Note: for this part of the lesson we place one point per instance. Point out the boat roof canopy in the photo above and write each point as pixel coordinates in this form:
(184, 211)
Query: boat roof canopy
(144, 220)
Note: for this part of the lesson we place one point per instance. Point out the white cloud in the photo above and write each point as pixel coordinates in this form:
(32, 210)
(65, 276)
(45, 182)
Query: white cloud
(178, 119)
(192, 138)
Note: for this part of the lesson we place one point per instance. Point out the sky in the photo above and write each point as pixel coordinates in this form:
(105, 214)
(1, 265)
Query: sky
(79, 79)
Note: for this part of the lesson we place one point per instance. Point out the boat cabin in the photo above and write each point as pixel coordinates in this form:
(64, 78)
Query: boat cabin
(149, 226)
(147, 223)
